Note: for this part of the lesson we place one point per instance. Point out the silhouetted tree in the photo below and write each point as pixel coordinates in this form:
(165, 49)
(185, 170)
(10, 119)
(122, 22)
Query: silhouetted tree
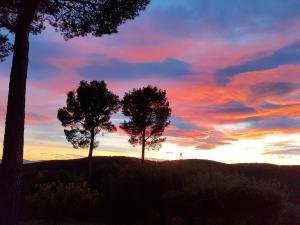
(149, 112)
(5, 47)
(87, 114)
(21, 17)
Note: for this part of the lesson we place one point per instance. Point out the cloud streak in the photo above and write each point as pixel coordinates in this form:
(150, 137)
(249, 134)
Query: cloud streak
(283, 56)
(114, 69)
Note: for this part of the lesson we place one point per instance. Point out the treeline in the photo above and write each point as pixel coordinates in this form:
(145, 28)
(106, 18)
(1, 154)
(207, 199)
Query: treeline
(89, 109)
(158, 193)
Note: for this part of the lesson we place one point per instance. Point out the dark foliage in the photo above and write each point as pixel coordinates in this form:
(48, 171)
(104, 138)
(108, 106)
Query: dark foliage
(5, 47)
(55, 201)
(149, 112)
(71, 17)
(167, 193)
(88, 113)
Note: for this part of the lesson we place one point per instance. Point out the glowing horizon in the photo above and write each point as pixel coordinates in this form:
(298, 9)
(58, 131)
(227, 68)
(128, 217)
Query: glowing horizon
(231, 72)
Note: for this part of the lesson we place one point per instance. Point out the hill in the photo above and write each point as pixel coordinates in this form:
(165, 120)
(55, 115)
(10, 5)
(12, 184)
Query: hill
(186, 192)
(288, 176)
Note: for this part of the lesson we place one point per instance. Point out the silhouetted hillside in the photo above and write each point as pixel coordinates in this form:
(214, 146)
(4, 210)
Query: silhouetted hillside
(78, 166)
(287, 175)
(122, 192)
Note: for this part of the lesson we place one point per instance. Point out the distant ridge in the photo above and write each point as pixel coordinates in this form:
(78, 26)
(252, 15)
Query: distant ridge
(24, 161)
(79, 165)
(287, 175)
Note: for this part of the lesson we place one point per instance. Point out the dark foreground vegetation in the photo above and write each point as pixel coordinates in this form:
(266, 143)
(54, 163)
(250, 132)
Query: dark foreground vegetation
(122, 192)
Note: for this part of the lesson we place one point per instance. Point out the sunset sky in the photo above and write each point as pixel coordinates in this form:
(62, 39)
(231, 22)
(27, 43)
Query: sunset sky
(231, 70)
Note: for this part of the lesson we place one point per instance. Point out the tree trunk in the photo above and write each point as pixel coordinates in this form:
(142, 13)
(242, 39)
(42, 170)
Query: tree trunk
(12, 159)
(90, 157)
(143, 147)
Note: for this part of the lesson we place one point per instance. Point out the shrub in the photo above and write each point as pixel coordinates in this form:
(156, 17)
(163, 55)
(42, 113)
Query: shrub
(56, 201)
(133, 196)
(233, 198)
(164, 194)
(290, 215)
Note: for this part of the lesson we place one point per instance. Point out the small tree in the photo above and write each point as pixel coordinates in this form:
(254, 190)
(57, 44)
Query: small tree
(149, 112)
(87, 114)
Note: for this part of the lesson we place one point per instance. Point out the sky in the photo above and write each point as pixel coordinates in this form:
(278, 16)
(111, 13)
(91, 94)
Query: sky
(231, 70)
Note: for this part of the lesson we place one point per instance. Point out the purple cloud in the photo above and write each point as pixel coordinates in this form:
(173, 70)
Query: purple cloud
(114, 69)
(287, 55)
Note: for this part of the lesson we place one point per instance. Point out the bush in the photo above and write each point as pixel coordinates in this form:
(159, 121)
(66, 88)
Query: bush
(229, 198)
(156, 195)
(56, 201)
(133, 196)
(161, 194)
(290, 215)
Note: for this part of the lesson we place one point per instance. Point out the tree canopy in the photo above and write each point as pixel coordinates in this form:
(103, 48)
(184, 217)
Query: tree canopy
(5, 47)
(72, 18)
(88, 113)
(148, 111)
